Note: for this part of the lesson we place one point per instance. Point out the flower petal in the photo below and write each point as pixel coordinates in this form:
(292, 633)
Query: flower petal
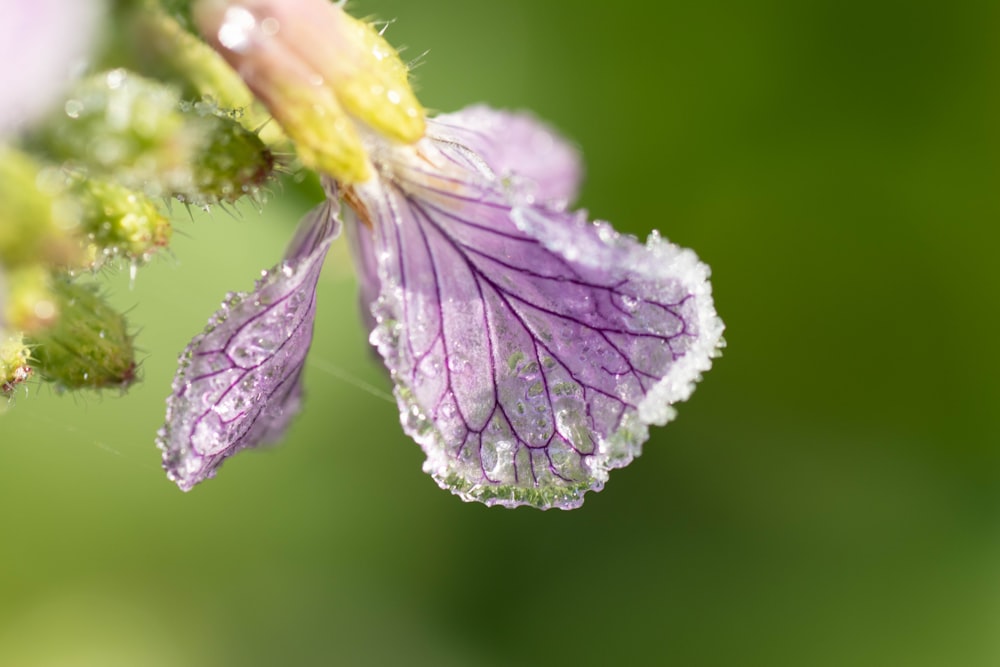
(365, 265)
(43, 43)
(530, 349)
(517, 147)
(239, 382)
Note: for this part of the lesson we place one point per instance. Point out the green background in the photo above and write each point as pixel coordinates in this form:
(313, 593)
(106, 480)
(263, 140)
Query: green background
(829, 496)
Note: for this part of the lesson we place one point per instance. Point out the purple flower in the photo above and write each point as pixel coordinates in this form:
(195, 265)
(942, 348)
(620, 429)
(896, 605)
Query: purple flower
(530, 349)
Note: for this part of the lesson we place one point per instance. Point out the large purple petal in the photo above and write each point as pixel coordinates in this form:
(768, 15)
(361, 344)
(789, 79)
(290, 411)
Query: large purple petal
(530, 348)
(520, 149)
(239, 382)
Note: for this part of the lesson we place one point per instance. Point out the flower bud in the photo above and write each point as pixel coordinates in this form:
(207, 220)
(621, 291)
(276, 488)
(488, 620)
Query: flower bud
(136, 131)
(318, 71)
(118, 222)
(14, 368)
(34, 224)
(230, 161)
(165, 50)
(179, 10)
(89, 346)
(31, 305)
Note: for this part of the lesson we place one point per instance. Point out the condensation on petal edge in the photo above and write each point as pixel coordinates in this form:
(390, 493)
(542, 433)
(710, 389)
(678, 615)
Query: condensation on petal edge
(531, 349)
(238, 383)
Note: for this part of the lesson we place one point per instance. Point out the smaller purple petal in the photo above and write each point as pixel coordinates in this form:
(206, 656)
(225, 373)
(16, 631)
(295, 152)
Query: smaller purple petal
(521, 150)
(239, 382)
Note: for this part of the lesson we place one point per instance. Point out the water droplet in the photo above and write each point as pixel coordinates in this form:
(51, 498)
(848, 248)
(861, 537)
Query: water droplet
(459, 366)
(45, 309)
(630, 303)
(74, 108)
(235, 31)
(270, 26)
(115, 78)
(606, 233)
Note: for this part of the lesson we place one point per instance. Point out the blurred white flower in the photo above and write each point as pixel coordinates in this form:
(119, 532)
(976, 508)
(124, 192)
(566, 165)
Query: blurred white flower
(43, 43)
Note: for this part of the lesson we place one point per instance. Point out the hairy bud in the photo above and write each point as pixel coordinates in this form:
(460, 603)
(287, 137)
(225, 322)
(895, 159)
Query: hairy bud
(118, 222)
(35, 226)
(136, 131)
(89, 347)
(323, 75)
(14, 368)
(31, 305)
(165, 50)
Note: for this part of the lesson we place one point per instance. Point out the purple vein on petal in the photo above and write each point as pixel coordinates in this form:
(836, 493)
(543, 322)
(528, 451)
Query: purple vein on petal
(530, 348)
(239, 382)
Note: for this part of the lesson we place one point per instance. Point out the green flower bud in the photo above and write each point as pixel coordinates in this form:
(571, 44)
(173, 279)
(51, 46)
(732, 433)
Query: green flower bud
(230, 162)
(180, 10)
(327, 77)
(136, 131)
(14, 368)
(35, 224)
(89, 346)
(31, 305)
(165, 50)
(118, 222)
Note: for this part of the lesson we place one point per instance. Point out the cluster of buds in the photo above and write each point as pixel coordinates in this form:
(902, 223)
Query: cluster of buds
(90, 166)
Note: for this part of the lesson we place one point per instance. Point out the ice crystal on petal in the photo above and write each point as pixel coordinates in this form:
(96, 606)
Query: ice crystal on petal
(239, 382)
(530, 348)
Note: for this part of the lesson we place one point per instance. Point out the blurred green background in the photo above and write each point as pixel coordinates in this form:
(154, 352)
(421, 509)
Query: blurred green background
(829, 496)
